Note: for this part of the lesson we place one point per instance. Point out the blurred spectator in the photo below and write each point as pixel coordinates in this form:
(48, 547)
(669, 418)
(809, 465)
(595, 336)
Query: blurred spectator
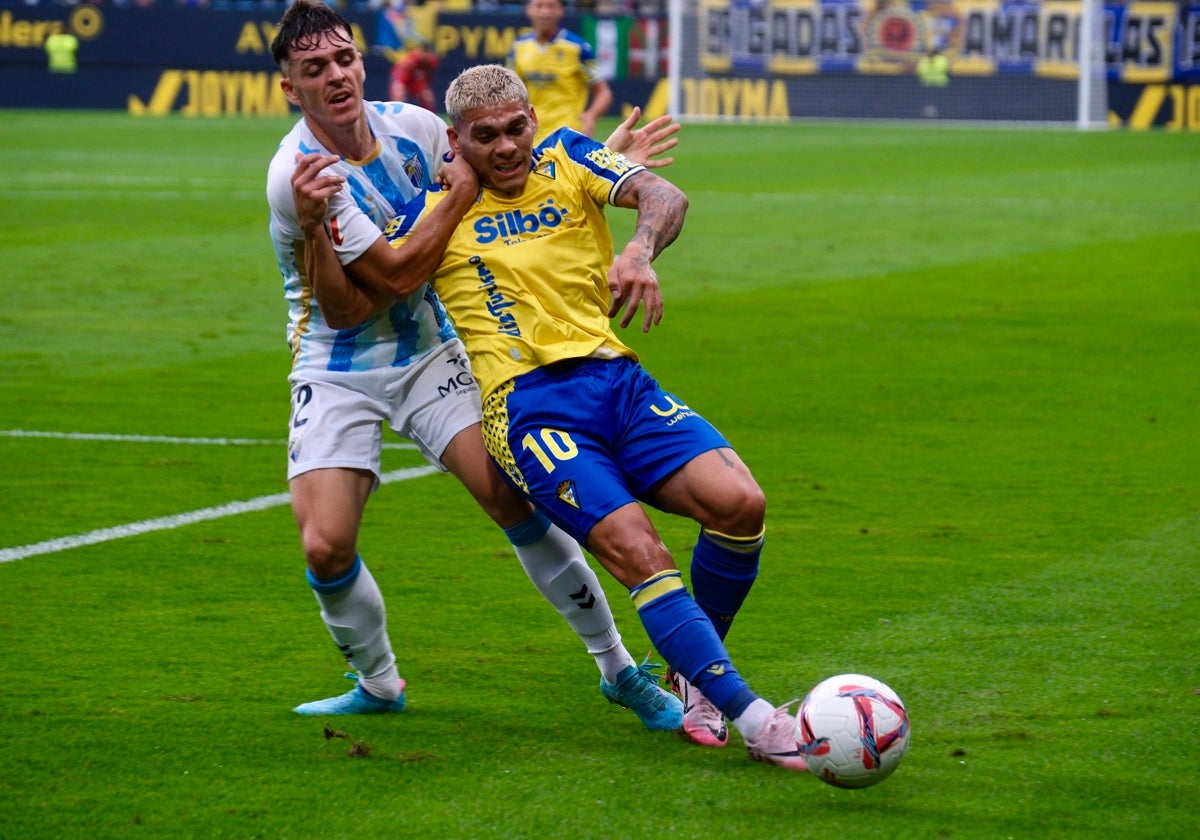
(60, 52)
(405, 37)
(934, 69)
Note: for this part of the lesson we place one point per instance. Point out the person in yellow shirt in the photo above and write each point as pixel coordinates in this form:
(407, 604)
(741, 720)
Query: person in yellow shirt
(560, 70)
(570, 417)
(60, 50)
(934, 69)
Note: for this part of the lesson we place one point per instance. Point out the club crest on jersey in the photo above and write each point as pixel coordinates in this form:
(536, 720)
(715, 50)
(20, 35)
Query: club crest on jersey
(519, 224)
(415, 172)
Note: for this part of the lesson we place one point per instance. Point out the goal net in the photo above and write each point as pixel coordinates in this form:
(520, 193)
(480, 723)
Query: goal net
(976, 60)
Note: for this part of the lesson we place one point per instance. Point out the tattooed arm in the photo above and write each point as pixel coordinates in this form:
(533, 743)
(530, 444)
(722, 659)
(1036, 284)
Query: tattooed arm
(660, 207)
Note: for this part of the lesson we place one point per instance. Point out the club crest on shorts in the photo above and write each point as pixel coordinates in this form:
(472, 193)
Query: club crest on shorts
(566, 493)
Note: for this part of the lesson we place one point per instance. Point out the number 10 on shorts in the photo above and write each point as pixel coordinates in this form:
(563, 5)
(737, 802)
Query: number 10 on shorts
(550, 445)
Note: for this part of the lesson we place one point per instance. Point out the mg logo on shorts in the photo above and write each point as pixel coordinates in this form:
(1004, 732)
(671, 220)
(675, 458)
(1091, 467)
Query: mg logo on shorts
(461, 382)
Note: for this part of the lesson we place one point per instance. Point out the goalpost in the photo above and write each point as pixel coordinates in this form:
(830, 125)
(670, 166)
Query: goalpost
(1003, 60)
(1092, 99)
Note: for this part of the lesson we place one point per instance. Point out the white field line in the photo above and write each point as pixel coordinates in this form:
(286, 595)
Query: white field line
(166, 523)
(23, 433)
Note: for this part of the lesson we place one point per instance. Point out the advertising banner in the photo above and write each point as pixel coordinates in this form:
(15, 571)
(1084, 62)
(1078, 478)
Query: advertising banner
(741, 58)
(1144, 40)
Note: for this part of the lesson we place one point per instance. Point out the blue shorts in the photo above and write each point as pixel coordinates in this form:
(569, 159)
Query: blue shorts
(584, 437)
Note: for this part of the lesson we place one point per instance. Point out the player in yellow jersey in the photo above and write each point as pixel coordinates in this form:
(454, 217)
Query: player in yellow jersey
(560, 71)
(570, 416)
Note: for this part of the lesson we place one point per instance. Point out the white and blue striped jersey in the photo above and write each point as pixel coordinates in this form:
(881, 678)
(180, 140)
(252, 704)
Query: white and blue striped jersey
(412, 146)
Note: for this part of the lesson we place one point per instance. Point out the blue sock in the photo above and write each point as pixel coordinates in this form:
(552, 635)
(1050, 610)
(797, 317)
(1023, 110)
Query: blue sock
(724, 569)
(680, 631)
(528, 530)
(337, 584)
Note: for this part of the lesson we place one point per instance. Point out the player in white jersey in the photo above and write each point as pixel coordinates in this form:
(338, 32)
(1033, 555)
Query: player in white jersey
(401, 364)
(411, 144)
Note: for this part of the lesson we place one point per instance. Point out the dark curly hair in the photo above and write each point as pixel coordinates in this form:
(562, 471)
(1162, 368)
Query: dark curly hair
(302, 27)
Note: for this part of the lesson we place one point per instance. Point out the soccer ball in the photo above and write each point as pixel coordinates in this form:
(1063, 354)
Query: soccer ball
(852, 730)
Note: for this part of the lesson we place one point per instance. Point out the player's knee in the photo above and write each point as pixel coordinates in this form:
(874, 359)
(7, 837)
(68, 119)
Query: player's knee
(631, 555)
(505, 506)
(741, 511)
(328, 558)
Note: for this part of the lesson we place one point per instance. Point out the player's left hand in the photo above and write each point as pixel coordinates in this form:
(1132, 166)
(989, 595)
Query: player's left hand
(458, 174)
(645, 145)
(633, 283)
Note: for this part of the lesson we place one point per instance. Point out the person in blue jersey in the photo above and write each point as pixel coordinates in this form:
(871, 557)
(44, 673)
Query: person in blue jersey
(402, 365)
(571, 418)
(560, 71)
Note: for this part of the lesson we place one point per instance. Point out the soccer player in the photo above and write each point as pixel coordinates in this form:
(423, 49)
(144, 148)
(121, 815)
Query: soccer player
(570, 416)
(560, 71)
(412, 24)
(401, 364)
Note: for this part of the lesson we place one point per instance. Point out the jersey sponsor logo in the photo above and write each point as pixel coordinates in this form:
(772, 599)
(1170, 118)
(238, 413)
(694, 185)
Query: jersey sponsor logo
(606, 158)
(335, 232)
(515, 225)
(494, 299)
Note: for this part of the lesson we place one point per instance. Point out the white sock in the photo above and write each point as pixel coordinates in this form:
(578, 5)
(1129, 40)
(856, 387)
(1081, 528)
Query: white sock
(556, 566)
(357, 620)
(749, 722)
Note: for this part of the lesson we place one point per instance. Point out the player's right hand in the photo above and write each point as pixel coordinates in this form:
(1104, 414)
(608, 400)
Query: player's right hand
(311, 190)
(633, 284)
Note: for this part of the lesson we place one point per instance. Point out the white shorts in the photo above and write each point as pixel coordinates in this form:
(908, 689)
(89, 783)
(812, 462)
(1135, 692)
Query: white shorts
(337, 417)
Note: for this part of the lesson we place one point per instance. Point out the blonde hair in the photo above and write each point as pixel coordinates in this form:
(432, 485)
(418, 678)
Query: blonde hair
(481, 86)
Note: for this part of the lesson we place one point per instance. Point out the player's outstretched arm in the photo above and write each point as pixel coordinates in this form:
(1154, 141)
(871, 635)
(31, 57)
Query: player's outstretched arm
(661, 207)
(645, 145)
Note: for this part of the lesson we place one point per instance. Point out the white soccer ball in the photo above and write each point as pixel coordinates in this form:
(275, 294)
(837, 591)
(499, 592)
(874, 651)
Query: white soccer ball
(852, 730)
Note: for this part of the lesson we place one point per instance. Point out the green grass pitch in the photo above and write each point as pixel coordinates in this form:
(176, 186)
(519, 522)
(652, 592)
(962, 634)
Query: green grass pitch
(964, 364)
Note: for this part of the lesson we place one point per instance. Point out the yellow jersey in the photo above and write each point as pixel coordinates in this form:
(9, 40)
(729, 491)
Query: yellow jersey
(558, 75)
(525, 279)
